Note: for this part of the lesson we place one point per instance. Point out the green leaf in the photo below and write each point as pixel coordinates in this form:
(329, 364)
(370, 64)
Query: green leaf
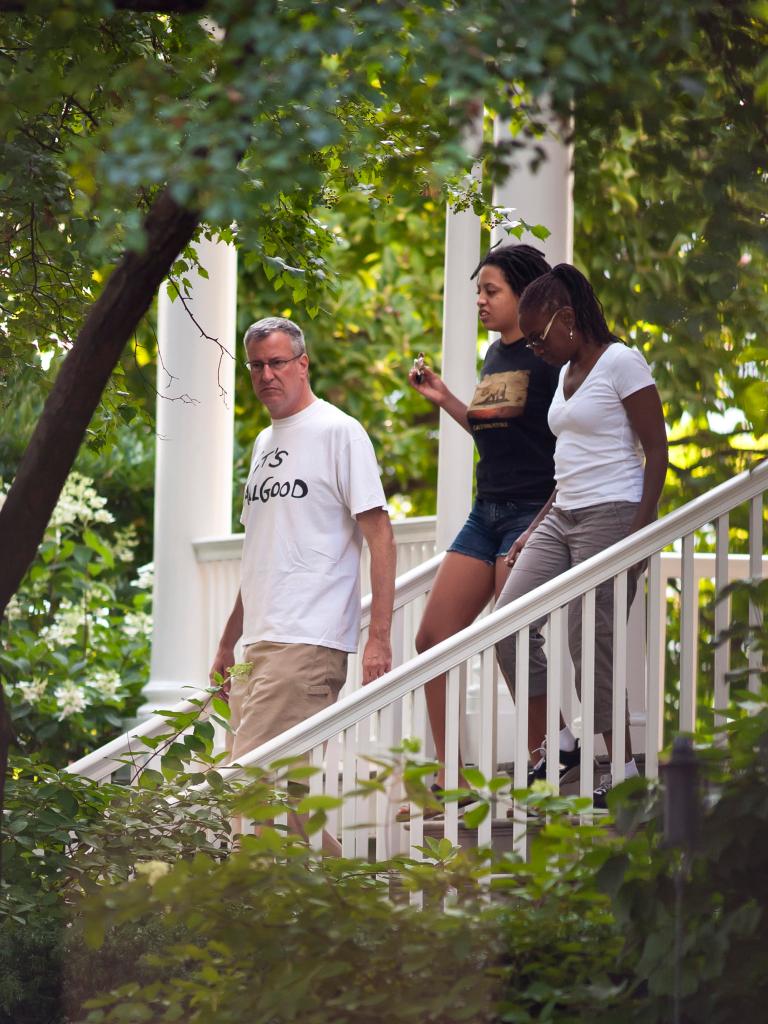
(476, 815)
(474, 777)
(221, 707)
(319, 802)
(150, 779)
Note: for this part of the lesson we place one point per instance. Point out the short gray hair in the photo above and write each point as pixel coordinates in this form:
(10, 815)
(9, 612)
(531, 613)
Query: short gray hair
(263, 328)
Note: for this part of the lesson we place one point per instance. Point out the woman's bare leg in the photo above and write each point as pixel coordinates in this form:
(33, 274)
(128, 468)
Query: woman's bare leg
(463, 586)
(500, 573)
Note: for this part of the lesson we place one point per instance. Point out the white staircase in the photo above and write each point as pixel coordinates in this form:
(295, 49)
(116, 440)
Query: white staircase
(370, 720)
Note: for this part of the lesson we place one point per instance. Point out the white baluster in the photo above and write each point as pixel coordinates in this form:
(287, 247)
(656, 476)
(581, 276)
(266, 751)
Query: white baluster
(419, 725)
(688, 633)
(555, 643)
(722, 655)
(316, 789)
(486, 754)
(522, 680)
(586, 782)
(331, 784)
(452, 705)
(656, 632)
(349, 809)
(619, 713)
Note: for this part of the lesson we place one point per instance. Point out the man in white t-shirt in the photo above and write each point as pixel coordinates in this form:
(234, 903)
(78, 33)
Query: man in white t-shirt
(313, 494)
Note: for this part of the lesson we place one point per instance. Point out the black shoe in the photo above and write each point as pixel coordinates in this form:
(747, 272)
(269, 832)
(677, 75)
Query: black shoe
(600, 795)
(568, 759)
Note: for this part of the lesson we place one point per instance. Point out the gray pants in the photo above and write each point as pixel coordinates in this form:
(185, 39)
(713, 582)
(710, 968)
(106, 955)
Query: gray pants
(563, 539)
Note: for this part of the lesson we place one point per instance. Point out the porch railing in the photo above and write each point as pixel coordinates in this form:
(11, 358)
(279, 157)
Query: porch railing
(219, 561)
(371, 719)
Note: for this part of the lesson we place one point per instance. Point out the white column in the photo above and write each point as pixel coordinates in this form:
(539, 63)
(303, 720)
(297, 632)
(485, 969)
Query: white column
(193, 470)
(459, 366)
(541, 197)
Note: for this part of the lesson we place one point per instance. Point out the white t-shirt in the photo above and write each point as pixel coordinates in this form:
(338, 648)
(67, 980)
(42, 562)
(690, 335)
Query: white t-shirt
(310, 475)
(598, 456)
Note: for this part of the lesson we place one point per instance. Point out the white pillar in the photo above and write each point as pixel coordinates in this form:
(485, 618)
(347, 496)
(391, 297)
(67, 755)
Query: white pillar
(459, 366)
(193, 470)
(541, 197)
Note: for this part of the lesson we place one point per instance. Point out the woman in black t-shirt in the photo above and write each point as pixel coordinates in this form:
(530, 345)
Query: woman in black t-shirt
(507, 418)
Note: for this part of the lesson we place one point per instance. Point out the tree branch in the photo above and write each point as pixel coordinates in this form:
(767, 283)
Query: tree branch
(73, 400)
(79, 385)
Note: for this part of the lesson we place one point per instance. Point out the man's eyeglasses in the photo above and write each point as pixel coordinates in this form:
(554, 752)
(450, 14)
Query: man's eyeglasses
(275, 365)
(536, 340)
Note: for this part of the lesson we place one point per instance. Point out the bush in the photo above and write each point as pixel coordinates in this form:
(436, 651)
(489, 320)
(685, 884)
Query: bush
(74, 644)
(124, 904)
(695, 923)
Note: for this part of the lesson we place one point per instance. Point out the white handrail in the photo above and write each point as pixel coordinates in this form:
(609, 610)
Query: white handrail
(486, 632)
(477, 637)
(407, 587)
(92, 765)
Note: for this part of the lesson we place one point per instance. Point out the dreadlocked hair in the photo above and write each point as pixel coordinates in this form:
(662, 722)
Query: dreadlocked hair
(520, 264)
(564, 285)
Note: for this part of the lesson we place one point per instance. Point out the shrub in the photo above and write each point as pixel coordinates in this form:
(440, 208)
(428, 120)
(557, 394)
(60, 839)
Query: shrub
(695, 922)
(124, 905)
(74, 644)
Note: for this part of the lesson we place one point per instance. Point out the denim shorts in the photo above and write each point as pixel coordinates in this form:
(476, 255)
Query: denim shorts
(493, 527)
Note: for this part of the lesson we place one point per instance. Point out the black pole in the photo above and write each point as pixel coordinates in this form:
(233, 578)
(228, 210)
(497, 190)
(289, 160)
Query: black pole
(681, 795)
(681, 825)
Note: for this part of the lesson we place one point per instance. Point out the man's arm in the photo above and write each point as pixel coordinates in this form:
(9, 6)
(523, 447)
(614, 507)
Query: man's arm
(225, 655)
(377, 530)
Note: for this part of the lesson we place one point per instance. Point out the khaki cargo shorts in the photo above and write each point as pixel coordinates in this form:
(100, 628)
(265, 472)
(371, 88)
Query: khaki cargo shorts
(287, 684)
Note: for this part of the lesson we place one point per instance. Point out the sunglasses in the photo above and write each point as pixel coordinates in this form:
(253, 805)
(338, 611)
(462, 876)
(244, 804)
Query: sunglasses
(536, 341)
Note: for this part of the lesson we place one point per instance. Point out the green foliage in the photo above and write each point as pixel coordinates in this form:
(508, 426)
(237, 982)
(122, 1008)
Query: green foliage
(340, 940)
(366, 110)
(670, 195)
(75, 639)
(719, 969)
(175, 927)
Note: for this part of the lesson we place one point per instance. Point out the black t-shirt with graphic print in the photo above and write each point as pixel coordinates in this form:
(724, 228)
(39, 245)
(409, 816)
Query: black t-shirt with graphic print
(508, 418)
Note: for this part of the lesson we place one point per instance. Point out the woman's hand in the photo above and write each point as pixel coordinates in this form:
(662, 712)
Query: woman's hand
(431, 386)
(514, 552)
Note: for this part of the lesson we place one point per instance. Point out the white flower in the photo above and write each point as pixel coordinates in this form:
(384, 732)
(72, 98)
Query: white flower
(79, 502)
(125, 541)
(32, 690)
(137, 624)
(63, 630)
(240, 671)
(13, 610)
(106, 683)
(71, 698)
(145, 577)
(152, 869)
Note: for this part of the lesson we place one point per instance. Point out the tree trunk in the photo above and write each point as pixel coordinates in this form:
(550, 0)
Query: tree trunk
(75, 395)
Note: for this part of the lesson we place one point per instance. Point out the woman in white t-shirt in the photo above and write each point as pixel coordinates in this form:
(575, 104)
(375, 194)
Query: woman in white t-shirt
(610, 464)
